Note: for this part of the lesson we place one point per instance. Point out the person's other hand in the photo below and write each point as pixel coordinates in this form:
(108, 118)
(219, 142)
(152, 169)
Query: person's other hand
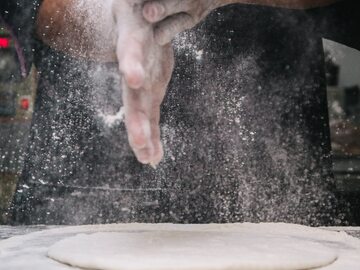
(146, 68)
(171, 17)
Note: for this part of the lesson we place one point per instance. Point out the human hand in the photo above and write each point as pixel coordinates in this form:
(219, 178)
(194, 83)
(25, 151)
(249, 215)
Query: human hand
(174, 16)
(146, 68)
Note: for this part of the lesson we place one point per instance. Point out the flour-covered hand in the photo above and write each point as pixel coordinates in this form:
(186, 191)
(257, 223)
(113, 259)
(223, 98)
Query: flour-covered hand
(146, 68)
(174, 16)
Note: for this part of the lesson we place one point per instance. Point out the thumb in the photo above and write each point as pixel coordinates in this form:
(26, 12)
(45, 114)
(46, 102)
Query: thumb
(167, 29)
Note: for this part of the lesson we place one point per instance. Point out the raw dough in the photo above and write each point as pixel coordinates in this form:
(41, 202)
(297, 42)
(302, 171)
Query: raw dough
(198, 249)
(29, 251)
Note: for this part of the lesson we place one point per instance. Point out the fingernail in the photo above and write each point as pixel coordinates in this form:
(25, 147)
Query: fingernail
(154, 11)
(157, 157)
(160, 9)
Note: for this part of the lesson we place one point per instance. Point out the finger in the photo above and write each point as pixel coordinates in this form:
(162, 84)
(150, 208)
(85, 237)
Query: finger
(158, 93)
(138, 124)
(139, 134)
(155, 135)
(156, 11)
(158, 154)
(167, 29)
(130, 57)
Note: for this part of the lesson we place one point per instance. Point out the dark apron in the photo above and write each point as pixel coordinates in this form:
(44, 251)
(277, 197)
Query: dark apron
(244, 124)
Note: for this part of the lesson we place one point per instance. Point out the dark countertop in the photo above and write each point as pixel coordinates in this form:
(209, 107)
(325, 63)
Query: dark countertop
(9, 231)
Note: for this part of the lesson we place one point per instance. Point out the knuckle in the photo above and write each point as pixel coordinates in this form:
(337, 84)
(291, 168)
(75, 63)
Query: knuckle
(199, 10)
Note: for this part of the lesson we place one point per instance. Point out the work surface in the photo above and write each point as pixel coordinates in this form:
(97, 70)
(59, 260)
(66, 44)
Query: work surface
(9, 231)
(60, 246)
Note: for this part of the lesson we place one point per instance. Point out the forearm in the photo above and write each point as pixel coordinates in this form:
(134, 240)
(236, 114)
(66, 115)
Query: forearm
(80, 28)
(56, 24)
(293, 4)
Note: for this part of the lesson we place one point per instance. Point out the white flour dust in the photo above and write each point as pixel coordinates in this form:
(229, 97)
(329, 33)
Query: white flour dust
(228, 156)
(112, 119)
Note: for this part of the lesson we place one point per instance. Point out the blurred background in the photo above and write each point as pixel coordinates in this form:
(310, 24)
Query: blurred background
(16, 106)
(343, 78)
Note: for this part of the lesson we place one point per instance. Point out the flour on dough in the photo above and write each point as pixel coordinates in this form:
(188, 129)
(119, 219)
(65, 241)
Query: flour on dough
(214, 249)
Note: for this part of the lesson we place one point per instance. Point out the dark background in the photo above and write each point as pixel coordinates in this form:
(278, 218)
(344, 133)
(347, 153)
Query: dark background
(343, 69)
